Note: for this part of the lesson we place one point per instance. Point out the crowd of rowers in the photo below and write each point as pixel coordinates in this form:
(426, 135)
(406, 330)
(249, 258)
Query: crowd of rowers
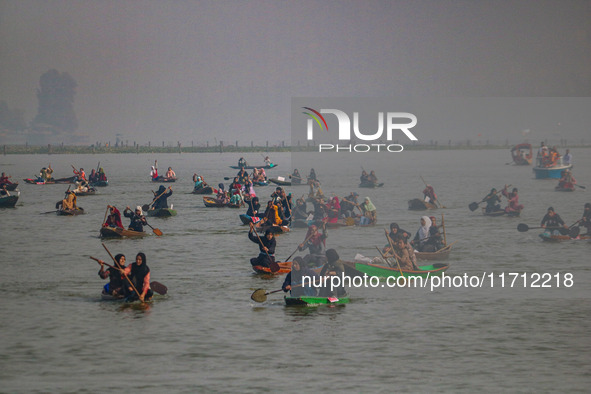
(427, 238)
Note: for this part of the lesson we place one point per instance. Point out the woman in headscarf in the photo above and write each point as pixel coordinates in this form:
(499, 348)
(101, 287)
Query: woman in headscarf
(422, 234)
(222, 197)
(101, 175)
(370, 214)
(293, 281)
(492, 201)
(513, 200)
(315, 242)
(116, 279)
(154, 173)
(296, 178)
(161, 197)
(139, 274)
(114, 218)
(334, 210)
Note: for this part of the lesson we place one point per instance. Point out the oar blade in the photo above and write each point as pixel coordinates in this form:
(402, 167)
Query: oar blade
(473, 206)
(259, 295)
(157, 231)
(145, 207)
(574, 232)
(522, 227)
(159, 288)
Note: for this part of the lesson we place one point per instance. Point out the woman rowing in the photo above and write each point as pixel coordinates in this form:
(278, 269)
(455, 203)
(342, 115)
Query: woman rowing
(315, 242)
(296, 178)
(161, 197)
(492, 201)
(553, 221)
(170, 174)
(403, 254)
(137, 220)
(68, 203)
(334, 210)
(139, 274)
(199, 182)
(114, 218)
(567, 180)
(422, 236)
(586, 219)
(294, 280)
(513, 200)
(116, 284)
(429, 195)
(222, 196)
(333, 267)
(267, 246)
(370, 213)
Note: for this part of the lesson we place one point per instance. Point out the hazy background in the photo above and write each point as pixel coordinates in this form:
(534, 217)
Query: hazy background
(198, 70)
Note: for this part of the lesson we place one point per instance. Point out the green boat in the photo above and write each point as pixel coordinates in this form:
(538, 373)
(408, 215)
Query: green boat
(314, 301)
(162, 212)
(384, 272)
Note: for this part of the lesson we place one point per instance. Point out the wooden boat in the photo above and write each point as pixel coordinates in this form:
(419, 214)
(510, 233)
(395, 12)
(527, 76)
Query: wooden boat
(570, 188)
(164, 179)
(339, 223)
(547, 237)
(213, 203)
(384, 272)
(9, 186)
(274, 229)
(162, 212)
(280, 182)
(501, 212)
(315, 301)
(116, 232)
(260, 183)
(371, 185)
(70, 212)
(416, 204)
(203, 190)
(284, 268)
(71, 179)
(89, 192)
(9, 201)
(266, 167)
(246, 219)
(555, 171)
(441, 254)
(99, 184)
(522, 154)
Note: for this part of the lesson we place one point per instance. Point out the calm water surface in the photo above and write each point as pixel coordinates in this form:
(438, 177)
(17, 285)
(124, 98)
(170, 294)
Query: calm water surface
(207, 335)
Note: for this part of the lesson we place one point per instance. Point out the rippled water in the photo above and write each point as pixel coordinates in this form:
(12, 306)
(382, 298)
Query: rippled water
(207, 335)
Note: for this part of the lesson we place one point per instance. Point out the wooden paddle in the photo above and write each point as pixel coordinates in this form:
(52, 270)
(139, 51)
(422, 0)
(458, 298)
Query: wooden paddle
(522, 227)
(474, 205)
(273, 265)
(384, 257)
(443, 227)
(392, 246)
(123, 272)
(146, 207)
(155, 230)
(305, 240)
(156, 286)
(260, 295)
(581, 186)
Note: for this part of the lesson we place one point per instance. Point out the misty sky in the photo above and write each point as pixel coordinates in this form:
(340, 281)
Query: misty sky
(198, 70)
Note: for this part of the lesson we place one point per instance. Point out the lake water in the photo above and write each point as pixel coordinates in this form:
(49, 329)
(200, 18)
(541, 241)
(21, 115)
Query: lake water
(207, 335)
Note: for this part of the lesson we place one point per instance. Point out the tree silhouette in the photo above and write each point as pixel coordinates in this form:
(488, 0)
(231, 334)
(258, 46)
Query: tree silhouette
(56, 102)
(11, 119)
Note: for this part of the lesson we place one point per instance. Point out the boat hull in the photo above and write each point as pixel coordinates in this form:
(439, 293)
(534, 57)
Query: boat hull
(380, 271)
(163, 179)
(212, 203)
(99, 184)
(115, 232)
(162, 212)
(8, 201)
(284, 268)
(70, 212)
(546, 237)
(315, 301)
(550, 172)
(203, 190)
(280, 183)
(417, 204)
(564, 189)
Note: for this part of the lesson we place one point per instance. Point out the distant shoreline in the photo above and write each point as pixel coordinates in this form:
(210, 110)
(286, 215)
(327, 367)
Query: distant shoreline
(76, 149)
